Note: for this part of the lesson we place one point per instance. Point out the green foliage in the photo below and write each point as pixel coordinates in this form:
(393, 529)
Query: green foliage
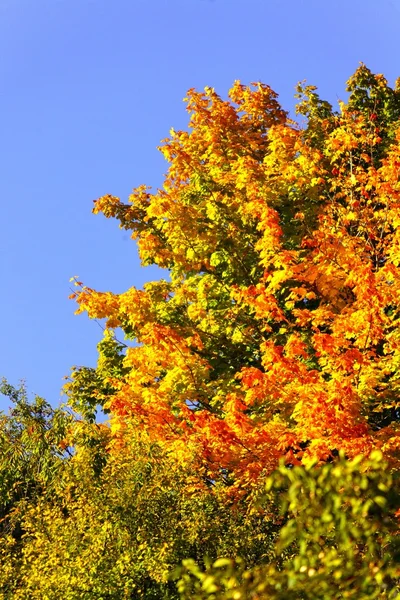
(87, 391)
(118, 532)
(30, 450)
(339, 539)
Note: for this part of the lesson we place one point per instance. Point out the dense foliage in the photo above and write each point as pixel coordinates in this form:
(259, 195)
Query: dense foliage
(252, 447)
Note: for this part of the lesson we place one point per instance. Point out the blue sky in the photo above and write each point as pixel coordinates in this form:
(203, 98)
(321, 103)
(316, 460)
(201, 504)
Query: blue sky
(88, 88)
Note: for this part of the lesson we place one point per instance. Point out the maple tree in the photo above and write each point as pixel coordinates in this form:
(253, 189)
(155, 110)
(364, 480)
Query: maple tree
(249, 382)
(276, 334)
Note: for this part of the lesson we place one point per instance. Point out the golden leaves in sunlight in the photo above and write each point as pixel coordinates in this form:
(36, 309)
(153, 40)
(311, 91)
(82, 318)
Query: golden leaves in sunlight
(277, 334)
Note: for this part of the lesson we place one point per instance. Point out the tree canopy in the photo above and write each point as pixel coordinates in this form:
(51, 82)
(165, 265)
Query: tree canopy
(252, 446)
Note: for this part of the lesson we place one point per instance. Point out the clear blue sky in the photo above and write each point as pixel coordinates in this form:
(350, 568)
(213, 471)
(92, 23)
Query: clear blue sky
(88, 88)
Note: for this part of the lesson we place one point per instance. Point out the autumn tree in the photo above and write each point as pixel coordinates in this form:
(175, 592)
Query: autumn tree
(276, 333)
(252, 394)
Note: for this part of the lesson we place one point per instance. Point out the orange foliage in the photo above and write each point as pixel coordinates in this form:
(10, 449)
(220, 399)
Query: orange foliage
(277, 334)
